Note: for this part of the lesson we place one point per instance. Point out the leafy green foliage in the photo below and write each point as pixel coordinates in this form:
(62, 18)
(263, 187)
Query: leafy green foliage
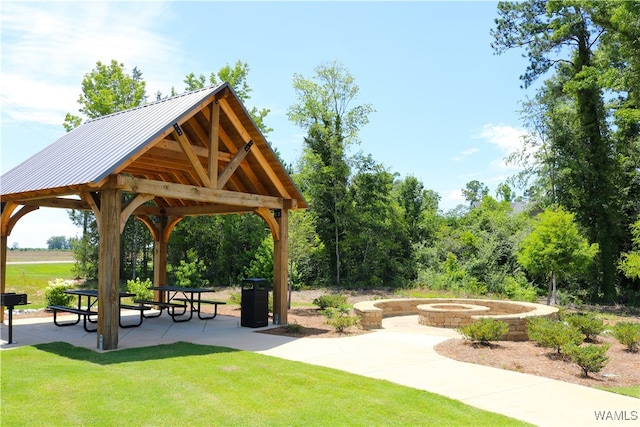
(54, 293)
(262, 263)
(628, 333)
(630, 261)
(588, 324)
(552, 333)
(140, 288)
(189, 274)
(330, 301)
(591, 358)
(583, 155)
(555, 249)
(485, 330)
(341, 318)
(517, 289)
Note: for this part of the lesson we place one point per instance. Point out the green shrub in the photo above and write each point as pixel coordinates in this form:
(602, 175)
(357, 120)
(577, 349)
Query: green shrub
(518, 290)
(552, 333)
(591, 358)
(330, 301)
(140, 288)
(54, 293)
(341, 318)
(485, 330)
(235, 298)
(293, 328)
(628, 333)
(590, 325)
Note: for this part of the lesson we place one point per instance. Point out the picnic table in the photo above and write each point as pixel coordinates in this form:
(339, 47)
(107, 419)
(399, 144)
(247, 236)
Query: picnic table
(86, 311)
(186, 299)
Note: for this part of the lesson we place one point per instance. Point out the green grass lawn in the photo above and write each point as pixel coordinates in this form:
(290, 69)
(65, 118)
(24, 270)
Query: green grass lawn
(632, 391)
(190, 384)
(32, 279)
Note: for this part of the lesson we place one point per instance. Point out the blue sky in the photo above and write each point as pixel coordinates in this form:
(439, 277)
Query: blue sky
(446, 106)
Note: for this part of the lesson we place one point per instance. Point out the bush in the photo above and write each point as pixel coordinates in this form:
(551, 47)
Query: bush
(591, 358)
(235, 298)
(552, 333)
(628, 333)
(54, 293)
(293, 328)
(140, 288)
(590, 325)
(341, 318)
(518, 290)
(330, 301)
(485, 330)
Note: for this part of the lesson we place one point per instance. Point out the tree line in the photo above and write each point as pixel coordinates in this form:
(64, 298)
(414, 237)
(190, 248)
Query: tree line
(576, 237)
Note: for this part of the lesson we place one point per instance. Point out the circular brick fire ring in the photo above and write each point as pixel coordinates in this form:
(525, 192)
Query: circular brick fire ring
(449, 315)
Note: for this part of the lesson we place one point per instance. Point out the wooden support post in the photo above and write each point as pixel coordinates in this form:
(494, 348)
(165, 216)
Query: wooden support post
(109, 269)
(3, 269)
(160, 248)
(280, 267)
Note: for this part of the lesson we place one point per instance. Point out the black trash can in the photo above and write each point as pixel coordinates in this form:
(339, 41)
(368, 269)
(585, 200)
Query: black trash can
(254, 305)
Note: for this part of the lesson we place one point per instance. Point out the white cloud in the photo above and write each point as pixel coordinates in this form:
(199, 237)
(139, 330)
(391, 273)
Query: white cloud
(504, 137)
(464, 154)
(47, 48)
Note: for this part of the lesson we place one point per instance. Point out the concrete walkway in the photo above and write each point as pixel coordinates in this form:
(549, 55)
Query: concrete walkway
(401, 352)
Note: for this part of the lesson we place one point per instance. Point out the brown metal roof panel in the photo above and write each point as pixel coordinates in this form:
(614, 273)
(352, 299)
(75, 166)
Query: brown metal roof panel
(98, 147)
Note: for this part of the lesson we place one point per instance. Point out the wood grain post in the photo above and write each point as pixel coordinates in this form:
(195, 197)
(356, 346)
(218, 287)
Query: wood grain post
(280, 270)
(109, 269)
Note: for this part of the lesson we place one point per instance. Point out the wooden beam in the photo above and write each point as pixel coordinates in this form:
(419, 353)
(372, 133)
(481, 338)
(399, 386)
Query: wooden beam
(16, 216)
(131, 206)
(214, 126)
(280, 268)
(235, 121)
(90, 199)
(191, 155)
(246, 168)
(171, 145)
(266, 214)
(109, 269)
(233, 165)
(198, 194)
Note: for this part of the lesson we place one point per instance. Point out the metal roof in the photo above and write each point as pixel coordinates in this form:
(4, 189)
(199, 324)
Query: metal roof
(98, 147)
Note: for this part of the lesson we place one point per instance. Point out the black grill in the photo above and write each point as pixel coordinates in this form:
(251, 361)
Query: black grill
(10, 300)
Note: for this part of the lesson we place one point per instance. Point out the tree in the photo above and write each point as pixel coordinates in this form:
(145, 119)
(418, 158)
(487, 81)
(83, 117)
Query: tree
(323, 110)
(555, 249)
(236, 76)
(474, 192)
(108, 89)
(58, 242)
(630, 261)
(105, 90)
(547, 30)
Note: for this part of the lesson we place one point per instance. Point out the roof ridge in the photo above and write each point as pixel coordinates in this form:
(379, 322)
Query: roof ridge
(157, 102)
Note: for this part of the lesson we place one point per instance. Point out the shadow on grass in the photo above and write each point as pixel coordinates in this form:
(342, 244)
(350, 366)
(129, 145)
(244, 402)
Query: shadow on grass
(163, 351)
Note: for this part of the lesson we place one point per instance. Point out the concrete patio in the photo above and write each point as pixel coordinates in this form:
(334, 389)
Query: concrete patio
(401, 352)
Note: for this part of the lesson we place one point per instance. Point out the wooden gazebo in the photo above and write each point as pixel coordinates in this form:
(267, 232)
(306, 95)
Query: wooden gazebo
(193, 154)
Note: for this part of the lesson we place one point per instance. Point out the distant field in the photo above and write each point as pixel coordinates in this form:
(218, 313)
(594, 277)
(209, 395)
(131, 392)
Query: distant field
(34, 276)
(38, 256)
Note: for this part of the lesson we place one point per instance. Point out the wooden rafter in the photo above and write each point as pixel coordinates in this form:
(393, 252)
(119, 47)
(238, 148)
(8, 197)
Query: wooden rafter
(235, 121)
(193, 158)
(197, 194)
(233, 165)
